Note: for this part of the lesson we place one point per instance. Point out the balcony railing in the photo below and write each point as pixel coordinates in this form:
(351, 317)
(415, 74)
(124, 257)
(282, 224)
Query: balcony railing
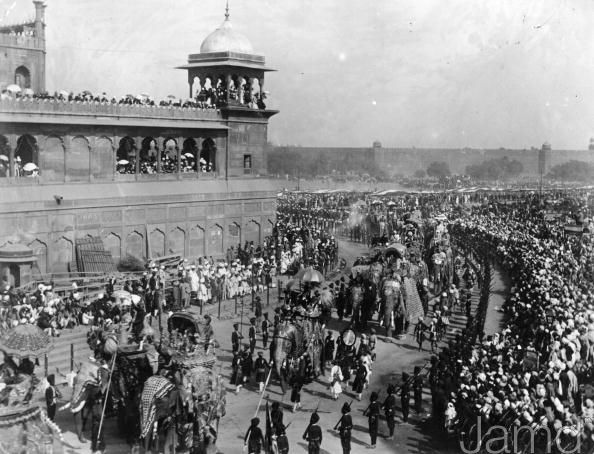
(52, 106)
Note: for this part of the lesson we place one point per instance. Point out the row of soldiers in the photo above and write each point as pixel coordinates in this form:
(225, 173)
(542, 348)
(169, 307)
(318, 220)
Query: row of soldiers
(254, 439)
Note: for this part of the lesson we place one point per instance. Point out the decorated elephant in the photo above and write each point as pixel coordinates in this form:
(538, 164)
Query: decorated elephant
(184, 410)
(89, 385)
(29, 430)
(292, 340)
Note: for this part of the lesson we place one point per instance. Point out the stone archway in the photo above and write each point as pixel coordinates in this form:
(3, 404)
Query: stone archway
(135, 246)
(176, 241)
(157, 243)
(196, 241)
(113, 244)
(63, 254)
(39, 249)
(215, 240)
(252, 232)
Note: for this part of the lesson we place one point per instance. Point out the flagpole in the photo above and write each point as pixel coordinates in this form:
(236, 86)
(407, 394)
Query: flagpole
(263, 391)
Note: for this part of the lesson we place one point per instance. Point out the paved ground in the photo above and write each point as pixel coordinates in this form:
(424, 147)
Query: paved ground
(392, 359)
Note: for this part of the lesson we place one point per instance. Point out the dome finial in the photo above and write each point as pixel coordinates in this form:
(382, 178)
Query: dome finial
(227, 11)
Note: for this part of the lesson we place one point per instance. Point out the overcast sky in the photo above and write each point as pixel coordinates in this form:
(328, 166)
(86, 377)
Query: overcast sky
(425, 73)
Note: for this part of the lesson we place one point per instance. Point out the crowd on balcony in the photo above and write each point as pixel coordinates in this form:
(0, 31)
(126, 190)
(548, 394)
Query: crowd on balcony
(206, 98)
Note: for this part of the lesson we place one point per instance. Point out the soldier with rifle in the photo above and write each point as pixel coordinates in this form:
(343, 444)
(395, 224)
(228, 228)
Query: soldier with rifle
(313, 434)
(389, 409)
(344, 426)
(373, 412)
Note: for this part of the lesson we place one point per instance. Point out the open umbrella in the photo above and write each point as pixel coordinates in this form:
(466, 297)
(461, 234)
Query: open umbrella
(13, 88)
(26, 341)
(171, 97)
(87, 93)
(312, 275)
(64, 93)
(30, 167)
(28, 92)
(3, 157)
(123, 162)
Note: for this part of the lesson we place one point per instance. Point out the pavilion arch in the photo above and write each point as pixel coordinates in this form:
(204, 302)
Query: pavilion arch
(51, 159)
(39, 249)
(176, 242)
(135, 246)
(27, 150)
(169, 155)
(5, 152)
(197, 238)
(149, 148)
(208, 153)
(215, 240)
(190, 153)
(102, 159)
(22, 77)
(126, 149)
(113, 244)
(78, 159)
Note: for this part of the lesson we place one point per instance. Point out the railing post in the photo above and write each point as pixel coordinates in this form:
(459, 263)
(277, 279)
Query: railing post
(71, 357)
(236, 304)
(219, 298)
(267, 293)
(45, 364)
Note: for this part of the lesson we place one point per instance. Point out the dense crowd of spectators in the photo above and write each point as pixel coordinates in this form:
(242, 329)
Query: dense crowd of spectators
(538, 372)
(202, 281)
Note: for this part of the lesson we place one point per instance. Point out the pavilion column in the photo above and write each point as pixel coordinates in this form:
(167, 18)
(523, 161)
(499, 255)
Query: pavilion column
(228, 80)
(12, 144)
(159, 143)
(261, 82)
(138, 143)
(180, 142)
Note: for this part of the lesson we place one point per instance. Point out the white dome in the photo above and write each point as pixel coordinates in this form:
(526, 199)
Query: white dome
(225, 39)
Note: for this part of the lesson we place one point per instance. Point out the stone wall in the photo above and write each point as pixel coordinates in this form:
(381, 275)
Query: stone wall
(151, 229)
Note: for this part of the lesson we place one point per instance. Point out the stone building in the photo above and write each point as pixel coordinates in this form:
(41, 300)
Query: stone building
(22, 52)
(88, 176)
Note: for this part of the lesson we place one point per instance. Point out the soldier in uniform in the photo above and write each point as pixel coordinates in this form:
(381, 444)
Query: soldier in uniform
(405, 396)
(252, 335)
(313, 435)
(260, 365)
(373, 412)
(276, 418)
(345, 427)
(235, 338)
(254, 439)
(265, 330)
(389, 407)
